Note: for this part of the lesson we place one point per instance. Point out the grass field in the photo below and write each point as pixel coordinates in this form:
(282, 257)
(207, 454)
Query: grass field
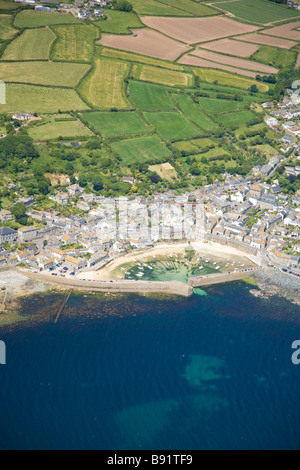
(116, 124)
(171, 8)
(219, 106)
(6, 30)
(75, 43)
(27, 98)
(164, 170)
(43, 73)
(33, 44)
(194, 112)
(227, 79)
(142, 59)
(258, 11)
(163, 76)
(8, 5)
(235, 119)
(274, 56)
(103, 87)
(149, 97)
(141, 150)
(119, 22)
(52, 129)
(35, 19)
(172, 125)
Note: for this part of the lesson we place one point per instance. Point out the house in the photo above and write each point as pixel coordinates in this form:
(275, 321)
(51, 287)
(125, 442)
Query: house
(268, 104)
(76, 263)
(75, 190)
(26, 234)
(5, 216)
(41, 8)
(21, 117)
(256, 191)
(287, 139)
(8, 235)
(128, 179)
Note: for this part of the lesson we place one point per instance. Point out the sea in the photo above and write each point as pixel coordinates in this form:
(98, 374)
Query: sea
(130, 372)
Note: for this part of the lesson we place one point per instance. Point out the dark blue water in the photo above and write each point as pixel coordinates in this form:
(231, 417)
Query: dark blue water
(210, 372)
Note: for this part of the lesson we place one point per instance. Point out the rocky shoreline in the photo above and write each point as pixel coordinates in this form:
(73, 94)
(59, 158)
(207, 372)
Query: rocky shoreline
(273, 282)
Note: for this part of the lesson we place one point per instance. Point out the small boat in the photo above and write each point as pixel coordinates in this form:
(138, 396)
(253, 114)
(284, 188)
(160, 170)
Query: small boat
(127, 272)
(200, 267)
(218, 267)
(207, 261)
(214, 263)
(140, 274)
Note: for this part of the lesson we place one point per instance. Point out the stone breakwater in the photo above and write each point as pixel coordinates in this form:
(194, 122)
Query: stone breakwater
(220, 278)
(138, 287)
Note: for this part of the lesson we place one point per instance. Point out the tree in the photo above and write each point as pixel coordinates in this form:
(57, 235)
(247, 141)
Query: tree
(97, 183)
(19, 211)
(253, 89)
(82, 181)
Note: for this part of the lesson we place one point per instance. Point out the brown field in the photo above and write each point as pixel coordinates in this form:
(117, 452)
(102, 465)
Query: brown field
(165, 171)
(197, 62)
(287, 31)
(150, 43)
(298, 60)
(234, 62)
(195, 30)
(228, 46)
(257, 38)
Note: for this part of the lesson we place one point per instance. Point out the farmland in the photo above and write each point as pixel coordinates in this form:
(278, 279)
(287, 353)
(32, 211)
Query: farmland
(43, 73)
(119, 22)
(163, 77)
(4, 5)
(172, 125)
(171, 8)
(287, 31)
(36, 19)
(230, 47)
(6, 30)
(75, 43)
(33, 44)
(53, 128)
(27, 98)
(195, 30)
(149, 97)
(204, 63)
(194, 112)
(131, 57)
(142, 150)
(257, 11)
(235, 119)
(278, 57)
(146, 42)
(227, 79)
(103, 87)
(267, 40)
(116, 124)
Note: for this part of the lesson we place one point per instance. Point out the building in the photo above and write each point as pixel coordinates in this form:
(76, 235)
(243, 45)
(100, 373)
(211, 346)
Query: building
(5, 216)
(26, 234)
(8, 235)
(41, 8)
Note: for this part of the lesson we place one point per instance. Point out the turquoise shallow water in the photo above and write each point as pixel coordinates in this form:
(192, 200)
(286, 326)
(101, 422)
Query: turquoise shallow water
(210, 372)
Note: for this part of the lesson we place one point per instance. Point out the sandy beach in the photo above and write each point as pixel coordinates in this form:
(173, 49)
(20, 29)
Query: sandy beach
(162, 251)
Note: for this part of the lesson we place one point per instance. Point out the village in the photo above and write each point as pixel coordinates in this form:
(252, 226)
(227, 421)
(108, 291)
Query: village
(253, 211)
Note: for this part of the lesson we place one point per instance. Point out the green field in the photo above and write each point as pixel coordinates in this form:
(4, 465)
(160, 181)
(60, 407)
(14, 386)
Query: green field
(74, 43)
(52, 129)
(149, 97)
(219, 106)
(33, 44)
(104, 87)
(119, 22)
(5, 5)
(35, 19)
(258, 11)
(116, 124)
(43, 73)
(142, 59)
(172, 125)
(27, 98)
(274, 56)
(141, 150)
(228, 79)
(194, 112)
(235, 119)
(6, 30)
(163, 76)
(171, 8)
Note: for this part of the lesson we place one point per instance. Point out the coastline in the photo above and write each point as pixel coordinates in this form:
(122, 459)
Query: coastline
(16, 284)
